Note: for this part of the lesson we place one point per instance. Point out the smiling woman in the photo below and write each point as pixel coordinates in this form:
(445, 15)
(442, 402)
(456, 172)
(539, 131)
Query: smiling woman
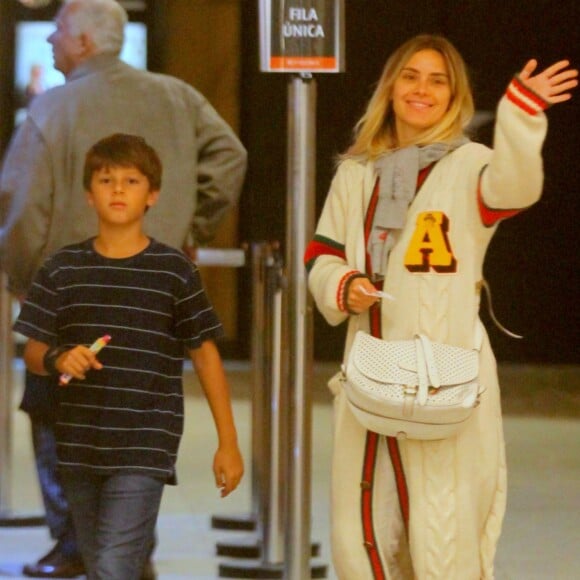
(411, 211)
(421, 95)
(408, 68)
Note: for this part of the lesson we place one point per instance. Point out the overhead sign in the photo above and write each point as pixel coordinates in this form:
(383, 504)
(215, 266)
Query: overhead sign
(302, 36)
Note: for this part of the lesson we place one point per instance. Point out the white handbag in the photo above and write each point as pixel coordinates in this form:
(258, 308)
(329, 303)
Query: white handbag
(412, 388)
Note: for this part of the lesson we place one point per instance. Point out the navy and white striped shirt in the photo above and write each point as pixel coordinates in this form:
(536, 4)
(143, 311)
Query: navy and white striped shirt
(129, 415)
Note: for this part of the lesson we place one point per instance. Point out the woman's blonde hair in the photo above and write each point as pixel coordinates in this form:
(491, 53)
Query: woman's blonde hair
(375, 131)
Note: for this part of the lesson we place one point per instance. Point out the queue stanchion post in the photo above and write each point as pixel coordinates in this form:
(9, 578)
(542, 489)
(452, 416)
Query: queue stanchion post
(301, 194)
(249, 547)
(267, 283)
(262, 556)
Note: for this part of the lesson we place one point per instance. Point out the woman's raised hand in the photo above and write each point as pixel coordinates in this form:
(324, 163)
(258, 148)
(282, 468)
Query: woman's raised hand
(552, 84)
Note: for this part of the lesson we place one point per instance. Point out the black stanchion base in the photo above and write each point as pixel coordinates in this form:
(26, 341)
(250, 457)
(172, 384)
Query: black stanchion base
(261, 570)
(239, 548)
(234, 522)
(12, 520)
(250, 548)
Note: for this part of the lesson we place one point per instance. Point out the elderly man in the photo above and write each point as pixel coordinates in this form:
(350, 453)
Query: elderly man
(41, 185)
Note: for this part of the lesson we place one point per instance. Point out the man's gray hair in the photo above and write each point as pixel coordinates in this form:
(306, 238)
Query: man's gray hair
(103, 20)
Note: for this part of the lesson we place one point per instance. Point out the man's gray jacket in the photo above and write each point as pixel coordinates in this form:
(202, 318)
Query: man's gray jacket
(41, 185)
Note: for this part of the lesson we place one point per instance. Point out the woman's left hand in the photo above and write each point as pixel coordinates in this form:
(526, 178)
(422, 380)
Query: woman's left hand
(552, 84)
(358, 300)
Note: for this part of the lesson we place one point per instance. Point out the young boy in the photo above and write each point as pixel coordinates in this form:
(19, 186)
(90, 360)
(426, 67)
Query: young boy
(120, 416)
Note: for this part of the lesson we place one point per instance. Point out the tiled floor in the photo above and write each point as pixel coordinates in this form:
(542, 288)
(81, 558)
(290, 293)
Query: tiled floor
(541, 531)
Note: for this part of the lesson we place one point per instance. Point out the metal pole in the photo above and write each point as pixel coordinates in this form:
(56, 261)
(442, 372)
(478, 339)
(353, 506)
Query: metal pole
(268, 420)
(274, 513)
(6, 357)
(258, 383)
(300, 228)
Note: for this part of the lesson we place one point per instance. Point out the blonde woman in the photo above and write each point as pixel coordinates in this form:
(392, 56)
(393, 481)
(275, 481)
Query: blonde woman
(411, 211)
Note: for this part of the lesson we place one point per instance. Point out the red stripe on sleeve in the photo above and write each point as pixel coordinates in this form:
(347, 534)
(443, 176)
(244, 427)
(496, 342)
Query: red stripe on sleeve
(511, 95)
(489, 216)
(316, 248)
(529, 94)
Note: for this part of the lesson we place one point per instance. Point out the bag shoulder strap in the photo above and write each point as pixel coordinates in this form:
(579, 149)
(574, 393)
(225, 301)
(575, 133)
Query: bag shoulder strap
(483, 284)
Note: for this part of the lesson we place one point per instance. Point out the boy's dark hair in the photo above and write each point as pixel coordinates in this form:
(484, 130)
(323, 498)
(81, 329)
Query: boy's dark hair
(123, 150)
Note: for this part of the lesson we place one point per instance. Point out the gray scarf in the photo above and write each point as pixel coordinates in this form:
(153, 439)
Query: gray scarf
(398, 172)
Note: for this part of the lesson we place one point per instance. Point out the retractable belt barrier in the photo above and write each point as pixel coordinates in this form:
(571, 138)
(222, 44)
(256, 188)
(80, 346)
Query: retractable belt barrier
(269, 432)
(267, 446)
(262, 552)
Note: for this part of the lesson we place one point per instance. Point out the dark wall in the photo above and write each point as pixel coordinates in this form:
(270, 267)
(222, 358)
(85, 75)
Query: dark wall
(532, 263)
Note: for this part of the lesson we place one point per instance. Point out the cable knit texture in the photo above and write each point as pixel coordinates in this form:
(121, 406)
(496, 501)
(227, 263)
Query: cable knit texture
(439, 485)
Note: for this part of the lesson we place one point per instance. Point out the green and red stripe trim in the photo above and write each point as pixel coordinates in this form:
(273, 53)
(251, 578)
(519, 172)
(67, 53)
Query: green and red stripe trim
(322, 246)
(372, 439)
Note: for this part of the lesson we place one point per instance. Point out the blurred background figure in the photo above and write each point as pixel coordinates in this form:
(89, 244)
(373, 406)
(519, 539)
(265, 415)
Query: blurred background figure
(35, 85)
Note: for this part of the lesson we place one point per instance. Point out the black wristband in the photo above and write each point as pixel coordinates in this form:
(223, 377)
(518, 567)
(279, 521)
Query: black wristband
(50, 356)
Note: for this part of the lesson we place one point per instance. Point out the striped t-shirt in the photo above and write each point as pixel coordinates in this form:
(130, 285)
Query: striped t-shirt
(129, 415)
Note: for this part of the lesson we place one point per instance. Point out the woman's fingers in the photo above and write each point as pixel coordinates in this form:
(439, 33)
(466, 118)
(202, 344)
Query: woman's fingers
(554, 68)
(553, 83)
(358, 300)
(528, 69)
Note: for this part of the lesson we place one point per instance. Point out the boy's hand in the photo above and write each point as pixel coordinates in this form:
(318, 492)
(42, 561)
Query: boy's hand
(77, 361)
(228, 468)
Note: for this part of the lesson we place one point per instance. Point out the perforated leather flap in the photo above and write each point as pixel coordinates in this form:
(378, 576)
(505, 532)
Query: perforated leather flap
(381, 361)
(396, 361)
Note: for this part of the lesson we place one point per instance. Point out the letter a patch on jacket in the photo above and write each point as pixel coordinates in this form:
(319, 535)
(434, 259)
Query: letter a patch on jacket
(429, 246)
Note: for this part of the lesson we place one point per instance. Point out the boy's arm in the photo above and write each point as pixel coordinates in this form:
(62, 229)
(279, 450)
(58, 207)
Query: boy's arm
(228, 465)
(34, 352)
